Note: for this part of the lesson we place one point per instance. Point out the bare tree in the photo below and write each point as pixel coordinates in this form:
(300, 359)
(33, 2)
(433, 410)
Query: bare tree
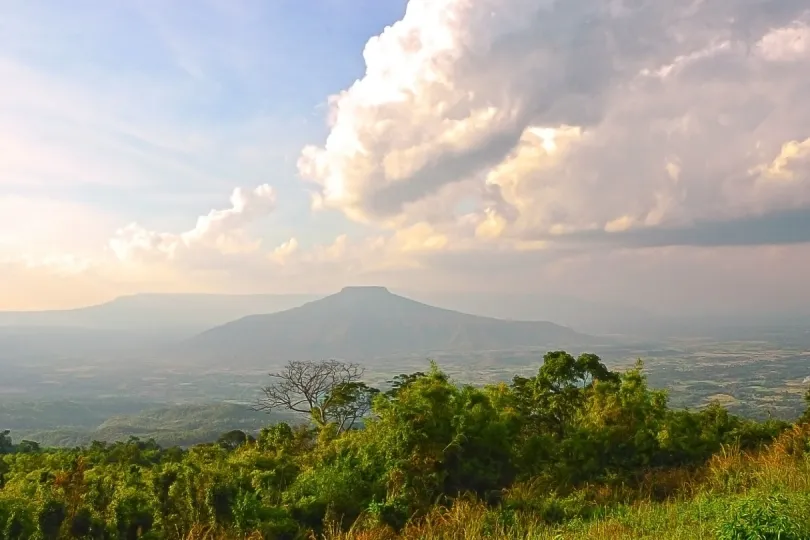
(330, 392)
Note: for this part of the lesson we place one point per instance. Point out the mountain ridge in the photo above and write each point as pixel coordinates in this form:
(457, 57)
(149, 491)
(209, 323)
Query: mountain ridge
(184, 315)
(369, 322)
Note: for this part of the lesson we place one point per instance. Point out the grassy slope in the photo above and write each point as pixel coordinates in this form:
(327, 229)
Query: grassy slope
(734, 496)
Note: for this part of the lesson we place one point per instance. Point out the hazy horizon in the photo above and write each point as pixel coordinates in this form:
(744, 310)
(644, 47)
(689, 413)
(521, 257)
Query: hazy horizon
(195, 312)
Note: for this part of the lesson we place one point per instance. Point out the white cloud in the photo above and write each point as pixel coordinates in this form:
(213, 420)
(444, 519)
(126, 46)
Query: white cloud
(285, 251)
(792, 154)
(221, 231)
(568, 116)
(786, 44)
(482, 133)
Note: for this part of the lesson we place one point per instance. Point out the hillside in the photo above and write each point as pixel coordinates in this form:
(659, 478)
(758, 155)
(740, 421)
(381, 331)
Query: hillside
(584, 315)
(371, 322)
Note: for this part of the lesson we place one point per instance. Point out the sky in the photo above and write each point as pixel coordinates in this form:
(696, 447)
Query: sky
(656, 153)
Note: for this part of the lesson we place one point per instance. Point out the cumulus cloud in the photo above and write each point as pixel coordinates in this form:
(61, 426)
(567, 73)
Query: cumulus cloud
(533, 139)
(221, 254)
(561, 117)
(222, 231)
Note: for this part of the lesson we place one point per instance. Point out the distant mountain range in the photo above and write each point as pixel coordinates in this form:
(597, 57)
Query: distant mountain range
(371, 322)
(189, 313)
(169, 317)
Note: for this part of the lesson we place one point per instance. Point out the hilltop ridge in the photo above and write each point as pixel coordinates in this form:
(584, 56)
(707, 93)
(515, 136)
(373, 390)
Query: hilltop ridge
(368, 322)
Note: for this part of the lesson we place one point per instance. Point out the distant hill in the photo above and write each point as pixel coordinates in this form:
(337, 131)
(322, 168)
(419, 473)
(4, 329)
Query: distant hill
(67, 423)
(370, 322)
(166, 313)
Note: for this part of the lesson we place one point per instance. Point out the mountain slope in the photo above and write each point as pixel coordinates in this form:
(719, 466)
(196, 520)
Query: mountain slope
(584, 315)
(368, 322)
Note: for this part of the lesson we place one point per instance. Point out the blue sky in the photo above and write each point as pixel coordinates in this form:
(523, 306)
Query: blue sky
(651, 153)
(230, 74)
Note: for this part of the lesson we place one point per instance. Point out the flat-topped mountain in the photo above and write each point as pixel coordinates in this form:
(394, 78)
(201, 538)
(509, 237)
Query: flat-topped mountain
(369, 322)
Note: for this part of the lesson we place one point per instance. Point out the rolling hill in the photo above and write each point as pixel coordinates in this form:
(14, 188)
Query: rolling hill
(370, 322)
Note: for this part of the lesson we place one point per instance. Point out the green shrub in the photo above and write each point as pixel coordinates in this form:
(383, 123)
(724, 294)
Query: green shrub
(771, 517)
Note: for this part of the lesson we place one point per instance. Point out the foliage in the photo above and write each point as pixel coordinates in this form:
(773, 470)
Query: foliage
(564, 452)
(761, 518)
(329, 392)
(69, 424)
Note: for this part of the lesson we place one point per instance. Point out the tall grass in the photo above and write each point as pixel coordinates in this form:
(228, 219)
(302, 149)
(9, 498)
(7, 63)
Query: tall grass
(736, 495)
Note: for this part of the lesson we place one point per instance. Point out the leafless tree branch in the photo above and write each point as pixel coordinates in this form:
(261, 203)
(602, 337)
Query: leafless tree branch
(329, 391)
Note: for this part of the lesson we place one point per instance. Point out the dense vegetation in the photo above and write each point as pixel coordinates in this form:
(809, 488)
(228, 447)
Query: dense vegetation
(70, 423)
(575, 451)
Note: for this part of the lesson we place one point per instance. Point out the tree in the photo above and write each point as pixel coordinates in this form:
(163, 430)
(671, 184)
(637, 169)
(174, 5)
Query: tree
(234, 439)
(553, 398)
(400, 382)
(28, 447)
(330, 392)
(433, 438)
(6, 445)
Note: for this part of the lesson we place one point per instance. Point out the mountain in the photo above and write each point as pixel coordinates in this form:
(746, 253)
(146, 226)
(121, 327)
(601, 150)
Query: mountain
(370, 322)
(192, 313)
(583, 315)
(161, 318)
(164, 313)
(601, 318)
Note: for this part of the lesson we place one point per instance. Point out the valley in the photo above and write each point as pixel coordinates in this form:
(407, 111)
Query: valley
(69, 385)
(753, 379)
